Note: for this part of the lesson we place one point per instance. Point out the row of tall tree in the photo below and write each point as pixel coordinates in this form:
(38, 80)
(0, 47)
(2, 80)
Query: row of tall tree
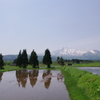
(22, 59)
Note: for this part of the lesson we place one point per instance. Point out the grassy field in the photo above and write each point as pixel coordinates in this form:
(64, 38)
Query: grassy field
(7, 67)
(41, 66)
(93, 64)
(81, 85)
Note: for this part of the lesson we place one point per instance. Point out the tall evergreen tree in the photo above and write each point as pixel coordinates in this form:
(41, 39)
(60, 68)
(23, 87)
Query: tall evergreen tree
(19, 59)
(34, 59)
(47, 58)
(24, 59)
(1, 62)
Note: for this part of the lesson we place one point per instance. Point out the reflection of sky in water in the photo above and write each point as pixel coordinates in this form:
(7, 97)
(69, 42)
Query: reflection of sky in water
(94, 70)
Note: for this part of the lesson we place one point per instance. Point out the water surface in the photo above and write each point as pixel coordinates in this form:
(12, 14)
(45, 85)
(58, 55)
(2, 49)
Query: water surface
(94, 70)
(32, 85)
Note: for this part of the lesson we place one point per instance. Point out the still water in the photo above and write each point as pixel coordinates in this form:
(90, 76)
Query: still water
(32, 85)
(94, 70)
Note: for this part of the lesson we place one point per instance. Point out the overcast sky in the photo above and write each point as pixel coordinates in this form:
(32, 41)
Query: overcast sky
(52, 24)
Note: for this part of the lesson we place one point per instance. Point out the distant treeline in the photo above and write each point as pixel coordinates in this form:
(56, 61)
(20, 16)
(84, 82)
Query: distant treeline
(62, 61)
(78, 61)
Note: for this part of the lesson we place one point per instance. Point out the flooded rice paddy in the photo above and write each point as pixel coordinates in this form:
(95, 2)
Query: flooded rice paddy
(94, 70)
(32, 85)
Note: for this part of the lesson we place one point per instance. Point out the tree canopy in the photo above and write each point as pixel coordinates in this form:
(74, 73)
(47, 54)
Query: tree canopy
(33, 60)
(1, 62)
(22, 59)
(61, 61)
(47, 58)
(19, 59)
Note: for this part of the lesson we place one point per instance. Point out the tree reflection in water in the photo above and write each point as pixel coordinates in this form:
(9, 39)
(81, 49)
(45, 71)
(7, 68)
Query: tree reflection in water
(1, 76)
(22, 76)
(33, 74)
(60, 77)
(47, 78)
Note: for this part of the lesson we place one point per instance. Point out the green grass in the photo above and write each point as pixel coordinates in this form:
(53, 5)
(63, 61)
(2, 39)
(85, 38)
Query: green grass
(81, 85)
(9, 68)
(93, 64)
(41, 66)
(87, 65)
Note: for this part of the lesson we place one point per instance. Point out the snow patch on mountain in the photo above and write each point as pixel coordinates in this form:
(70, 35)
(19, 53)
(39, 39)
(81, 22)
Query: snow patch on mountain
(72, 52)
(92, 51)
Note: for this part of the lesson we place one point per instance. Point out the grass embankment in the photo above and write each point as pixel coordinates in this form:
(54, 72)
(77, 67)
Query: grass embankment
(81, 85)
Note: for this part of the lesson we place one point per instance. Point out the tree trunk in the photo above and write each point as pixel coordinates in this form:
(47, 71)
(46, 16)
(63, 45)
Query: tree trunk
(1, 67)
(48, 65)
(34, 66)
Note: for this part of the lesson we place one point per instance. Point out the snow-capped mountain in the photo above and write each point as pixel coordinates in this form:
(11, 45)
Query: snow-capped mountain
(73, 52)
(67, 53)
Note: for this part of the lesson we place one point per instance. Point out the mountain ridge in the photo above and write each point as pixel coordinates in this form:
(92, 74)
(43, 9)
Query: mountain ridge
(66, 53)
(73, 52)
